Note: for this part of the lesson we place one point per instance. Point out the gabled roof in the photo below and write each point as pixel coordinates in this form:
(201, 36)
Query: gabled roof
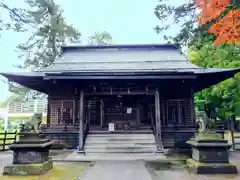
(122, 62)
(120, 58)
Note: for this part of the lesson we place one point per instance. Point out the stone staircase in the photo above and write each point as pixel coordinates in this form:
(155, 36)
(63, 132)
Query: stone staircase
(139, 142)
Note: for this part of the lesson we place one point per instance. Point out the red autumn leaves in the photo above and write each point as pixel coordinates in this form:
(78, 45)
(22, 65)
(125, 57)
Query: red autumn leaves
(227, 28)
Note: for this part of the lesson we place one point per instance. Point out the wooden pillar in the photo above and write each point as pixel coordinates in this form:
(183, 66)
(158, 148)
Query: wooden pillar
(89, 111)
(48, 110)
(76, 120)
(179, 112)
(138, 114)
(158, 121)
(102, 113)
(81, 119)
(151, 116)
(192, 106)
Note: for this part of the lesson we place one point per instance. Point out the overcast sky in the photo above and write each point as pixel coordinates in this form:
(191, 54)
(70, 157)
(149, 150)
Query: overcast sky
(128, 21)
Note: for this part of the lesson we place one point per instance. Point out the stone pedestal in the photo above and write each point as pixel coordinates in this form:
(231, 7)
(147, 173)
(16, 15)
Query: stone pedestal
(210, 155)
(30, 156)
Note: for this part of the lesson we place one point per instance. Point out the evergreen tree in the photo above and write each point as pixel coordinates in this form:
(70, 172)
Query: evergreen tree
(50, 32)
(100, 38)
(18, 18)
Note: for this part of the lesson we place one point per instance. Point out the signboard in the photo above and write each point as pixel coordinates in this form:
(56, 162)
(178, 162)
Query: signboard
(111, 127)
(129, 110)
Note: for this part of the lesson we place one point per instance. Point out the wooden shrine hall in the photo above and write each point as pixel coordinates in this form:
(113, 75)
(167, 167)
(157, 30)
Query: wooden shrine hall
(134, 87)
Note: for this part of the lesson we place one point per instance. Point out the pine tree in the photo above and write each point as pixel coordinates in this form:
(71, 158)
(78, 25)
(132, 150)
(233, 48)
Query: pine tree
(18, 18)
(50, 32)
(101, 38)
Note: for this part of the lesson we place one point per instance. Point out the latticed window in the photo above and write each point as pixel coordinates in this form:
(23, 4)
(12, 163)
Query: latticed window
(172, 111)
(185, 111)
(179, 111)
(90, 109)
(62, 111)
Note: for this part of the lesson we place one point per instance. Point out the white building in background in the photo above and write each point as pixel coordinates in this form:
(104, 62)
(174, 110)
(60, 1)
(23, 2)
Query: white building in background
(4, 117)
(23, 111)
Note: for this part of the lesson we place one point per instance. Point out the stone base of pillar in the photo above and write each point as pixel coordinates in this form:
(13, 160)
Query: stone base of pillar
(27, 169)
(80, 150)
(159, 149)
(210, 154)
(210, 168)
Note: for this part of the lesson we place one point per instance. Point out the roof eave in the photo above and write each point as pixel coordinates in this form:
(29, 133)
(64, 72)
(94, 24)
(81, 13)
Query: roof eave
(210, 78)
(30, 80)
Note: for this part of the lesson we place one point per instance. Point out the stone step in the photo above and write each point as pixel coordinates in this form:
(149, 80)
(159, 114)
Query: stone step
(120, 137)
(118, 146)
(121, 132)
(98, 140)
(125, 150)
(152, 156)
(120, 142)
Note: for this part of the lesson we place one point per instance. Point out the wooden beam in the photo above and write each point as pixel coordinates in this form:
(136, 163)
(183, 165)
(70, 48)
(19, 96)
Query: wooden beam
(122, 77)
(81, 119)
(119, 93)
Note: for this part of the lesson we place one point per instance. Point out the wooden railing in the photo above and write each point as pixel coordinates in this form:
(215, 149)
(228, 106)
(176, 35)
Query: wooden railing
(67, 133)
(6, 139)
(176, 135)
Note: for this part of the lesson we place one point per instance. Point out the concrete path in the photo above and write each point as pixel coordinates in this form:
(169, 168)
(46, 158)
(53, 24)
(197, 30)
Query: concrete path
(5, 158)
(117, 170)
(76, 157)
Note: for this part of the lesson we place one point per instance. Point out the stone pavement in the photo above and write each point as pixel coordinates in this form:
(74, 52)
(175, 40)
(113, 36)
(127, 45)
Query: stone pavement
(117, 170)
(126, 169)
(5, 158)
(76, 157)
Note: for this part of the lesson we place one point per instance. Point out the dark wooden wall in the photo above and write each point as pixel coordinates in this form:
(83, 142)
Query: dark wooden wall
(176, 113)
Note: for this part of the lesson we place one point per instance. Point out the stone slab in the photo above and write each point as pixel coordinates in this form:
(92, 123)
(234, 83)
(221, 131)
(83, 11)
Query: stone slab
(210, 168)
(27, 169)
(209, 144)
(18, 146)
(76, 157)
(33, 141)
(117, 170)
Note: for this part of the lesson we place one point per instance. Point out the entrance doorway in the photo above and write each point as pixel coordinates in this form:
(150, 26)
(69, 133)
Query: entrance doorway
(126, 112)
